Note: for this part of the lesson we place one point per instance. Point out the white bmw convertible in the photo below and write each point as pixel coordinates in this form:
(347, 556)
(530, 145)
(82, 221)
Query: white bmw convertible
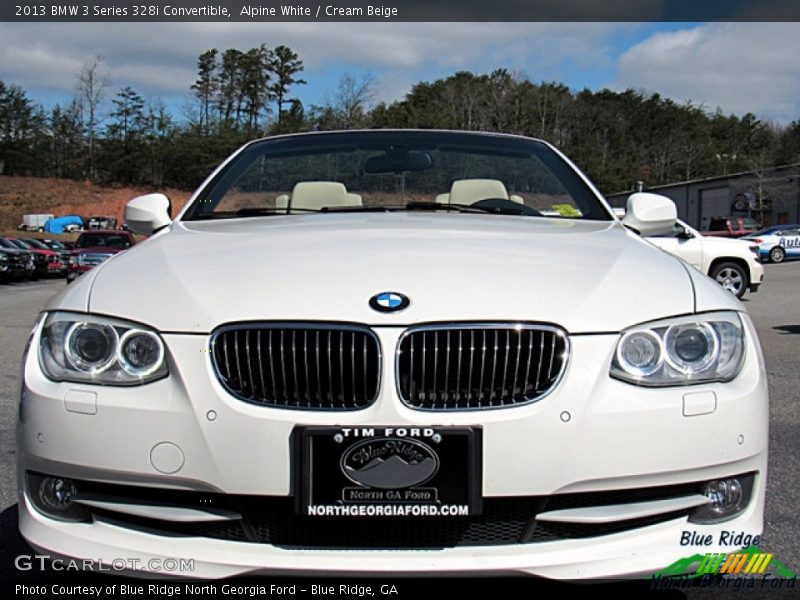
(393, 351)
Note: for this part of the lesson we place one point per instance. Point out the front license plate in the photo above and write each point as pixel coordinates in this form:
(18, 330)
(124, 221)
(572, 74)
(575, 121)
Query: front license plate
(388, 471)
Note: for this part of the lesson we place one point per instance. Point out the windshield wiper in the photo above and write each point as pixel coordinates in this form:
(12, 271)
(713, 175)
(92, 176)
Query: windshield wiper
(250, 211)
(326, 209)
(469, 208)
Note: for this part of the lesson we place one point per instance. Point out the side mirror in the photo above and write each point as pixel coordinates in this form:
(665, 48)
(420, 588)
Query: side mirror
(148, 214)
(650, 214)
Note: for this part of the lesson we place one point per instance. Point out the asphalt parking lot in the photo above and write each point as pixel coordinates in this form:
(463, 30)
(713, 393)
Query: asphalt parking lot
(775, 310)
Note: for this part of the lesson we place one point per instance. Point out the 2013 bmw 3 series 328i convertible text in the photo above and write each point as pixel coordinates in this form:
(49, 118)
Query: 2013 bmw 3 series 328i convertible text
(393, 351)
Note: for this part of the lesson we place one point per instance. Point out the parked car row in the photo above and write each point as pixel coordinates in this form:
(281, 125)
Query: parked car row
(29, 259)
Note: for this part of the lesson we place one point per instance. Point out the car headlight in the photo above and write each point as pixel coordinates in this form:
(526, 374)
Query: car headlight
(100, 350)
(681, 351)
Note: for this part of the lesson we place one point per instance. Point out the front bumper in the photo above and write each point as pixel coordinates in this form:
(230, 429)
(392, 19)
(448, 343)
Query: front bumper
(591, 434)
(15, 271)
(635, 554)
(756, 275)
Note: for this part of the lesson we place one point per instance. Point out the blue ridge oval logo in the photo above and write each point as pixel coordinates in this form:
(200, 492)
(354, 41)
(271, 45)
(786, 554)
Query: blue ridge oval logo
(389, 302)
(389, 463)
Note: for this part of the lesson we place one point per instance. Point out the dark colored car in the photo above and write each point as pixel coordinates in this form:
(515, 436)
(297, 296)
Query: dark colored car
(33, 262)
(48, 262)
(55, 245)
(15, 264)
(59, 247)
(58, 260)
(94, 247)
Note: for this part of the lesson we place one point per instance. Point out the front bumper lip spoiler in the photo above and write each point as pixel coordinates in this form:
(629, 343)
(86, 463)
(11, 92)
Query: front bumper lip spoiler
(160, 512)
(622, 512)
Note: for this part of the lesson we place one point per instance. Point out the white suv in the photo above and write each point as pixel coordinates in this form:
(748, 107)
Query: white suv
(732, 263)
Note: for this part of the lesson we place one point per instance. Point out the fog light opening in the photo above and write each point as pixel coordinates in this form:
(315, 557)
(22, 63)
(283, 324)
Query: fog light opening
(724, 495)
(57, 494)
(56, 497)
(727, 498)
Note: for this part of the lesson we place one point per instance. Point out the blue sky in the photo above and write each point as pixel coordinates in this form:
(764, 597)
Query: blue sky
(740, 67)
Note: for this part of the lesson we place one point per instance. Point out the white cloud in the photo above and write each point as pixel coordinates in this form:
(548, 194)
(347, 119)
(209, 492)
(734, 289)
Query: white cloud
(741, 67)
(160, 58)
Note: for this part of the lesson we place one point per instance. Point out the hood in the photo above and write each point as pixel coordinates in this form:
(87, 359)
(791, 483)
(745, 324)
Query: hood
(583, 276)
(43, 252)
(16, 251)
(739, 242)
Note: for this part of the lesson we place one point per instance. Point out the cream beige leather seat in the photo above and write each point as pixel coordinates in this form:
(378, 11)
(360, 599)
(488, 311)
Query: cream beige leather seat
(313, 195)
(469, 191)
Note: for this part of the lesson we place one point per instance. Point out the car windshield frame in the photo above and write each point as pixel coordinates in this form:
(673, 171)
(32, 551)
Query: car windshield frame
(589, 203)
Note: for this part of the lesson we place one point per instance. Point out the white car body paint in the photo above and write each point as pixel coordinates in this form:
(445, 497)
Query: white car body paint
(591, 433)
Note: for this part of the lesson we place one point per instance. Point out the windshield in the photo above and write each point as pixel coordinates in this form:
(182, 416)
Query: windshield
(90, 240)
(397, 170)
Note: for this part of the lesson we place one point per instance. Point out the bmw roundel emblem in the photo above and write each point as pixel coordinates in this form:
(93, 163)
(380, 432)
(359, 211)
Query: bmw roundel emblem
(389, 302)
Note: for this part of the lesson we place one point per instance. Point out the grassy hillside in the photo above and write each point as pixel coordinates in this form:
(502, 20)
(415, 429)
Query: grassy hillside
(26, 195)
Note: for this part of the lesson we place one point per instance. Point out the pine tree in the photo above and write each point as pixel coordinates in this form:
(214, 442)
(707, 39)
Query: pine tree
(206, 86)
(285, 64)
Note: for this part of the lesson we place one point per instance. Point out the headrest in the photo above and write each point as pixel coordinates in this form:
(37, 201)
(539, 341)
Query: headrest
(469, 191)
(316, 194)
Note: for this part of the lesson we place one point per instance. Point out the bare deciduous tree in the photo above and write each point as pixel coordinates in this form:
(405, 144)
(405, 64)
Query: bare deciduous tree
(353, 98)
(92, 86)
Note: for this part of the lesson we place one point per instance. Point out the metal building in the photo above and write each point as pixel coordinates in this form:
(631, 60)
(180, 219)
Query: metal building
(771, 196)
